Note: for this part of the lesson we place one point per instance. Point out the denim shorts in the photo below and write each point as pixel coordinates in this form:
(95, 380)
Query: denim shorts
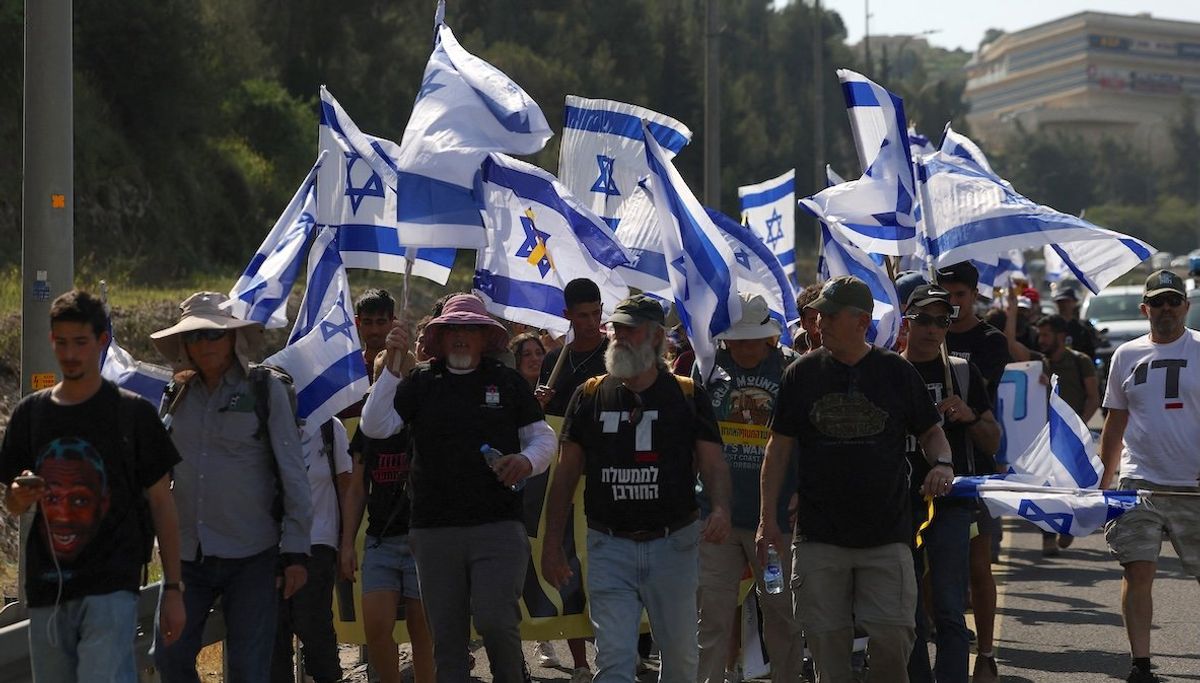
(388, 565)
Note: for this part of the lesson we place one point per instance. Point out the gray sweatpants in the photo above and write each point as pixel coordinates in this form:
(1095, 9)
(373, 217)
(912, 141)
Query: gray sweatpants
(473, 571)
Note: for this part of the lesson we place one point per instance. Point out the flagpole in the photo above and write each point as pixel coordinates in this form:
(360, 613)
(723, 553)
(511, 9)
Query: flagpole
(398, 358)
(559, 363)
(923, 233)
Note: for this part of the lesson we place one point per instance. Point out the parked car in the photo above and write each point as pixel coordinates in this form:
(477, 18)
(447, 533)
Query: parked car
(1116, 314)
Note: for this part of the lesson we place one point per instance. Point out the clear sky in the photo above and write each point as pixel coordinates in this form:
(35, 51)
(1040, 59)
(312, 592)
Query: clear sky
(962, 23)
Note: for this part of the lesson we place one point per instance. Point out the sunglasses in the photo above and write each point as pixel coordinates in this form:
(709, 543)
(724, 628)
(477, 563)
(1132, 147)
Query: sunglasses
(924, 319)
(204, 335)
(635, 413)
(1172, 300)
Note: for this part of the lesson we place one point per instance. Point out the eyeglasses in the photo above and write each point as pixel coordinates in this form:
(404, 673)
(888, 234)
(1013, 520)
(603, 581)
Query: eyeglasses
(924, 319)
(1172, 300)
(193, 336)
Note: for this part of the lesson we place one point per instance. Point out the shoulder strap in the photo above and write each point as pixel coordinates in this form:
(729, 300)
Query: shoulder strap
(962, 375)
(328, 447)
(687, 385)
(592, 385)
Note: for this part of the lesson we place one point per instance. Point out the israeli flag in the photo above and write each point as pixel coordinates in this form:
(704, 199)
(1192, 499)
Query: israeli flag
(1056, 270)
(970, 213)
(769, 209)
(261, 293)
(1054, 483)
(144, 379)
(323, 354)
(602, 156)
(699, 260)
(638, 230)
(466, 108)
(539, 239)
(881, 140)
(759, 272)
(1058, 510)
(839, 256)
(998, 273)
(1097, 263)
(918, 144)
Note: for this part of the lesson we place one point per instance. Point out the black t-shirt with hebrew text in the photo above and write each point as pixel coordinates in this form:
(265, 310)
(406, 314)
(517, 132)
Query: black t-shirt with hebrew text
(639, 451)
(386, 464)
(91, 519)
(850, 423)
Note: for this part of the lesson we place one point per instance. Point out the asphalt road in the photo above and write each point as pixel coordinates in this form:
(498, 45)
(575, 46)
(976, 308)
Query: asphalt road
(1060, 618)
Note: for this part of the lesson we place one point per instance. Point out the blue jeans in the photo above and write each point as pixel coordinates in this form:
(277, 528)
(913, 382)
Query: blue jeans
(246, 587)
(89, 639)
(947, 549)
(662, 576)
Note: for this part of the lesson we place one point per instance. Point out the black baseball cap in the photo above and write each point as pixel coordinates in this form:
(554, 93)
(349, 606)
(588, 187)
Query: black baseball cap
(1163, 282)
(1066, 293)
(638, 309)
(842, 292)
(963, 272)
(925, 295)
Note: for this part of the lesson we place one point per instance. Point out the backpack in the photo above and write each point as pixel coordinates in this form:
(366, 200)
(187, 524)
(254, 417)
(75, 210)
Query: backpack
(686, 385)
(961, 369)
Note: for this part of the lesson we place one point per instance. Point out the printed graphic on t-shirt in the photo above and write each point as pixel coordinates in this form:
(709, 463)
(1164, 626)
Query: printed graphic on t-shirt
(390, 468)
(1172, 367)
(847, 416)
(633, 483)
(77, 495)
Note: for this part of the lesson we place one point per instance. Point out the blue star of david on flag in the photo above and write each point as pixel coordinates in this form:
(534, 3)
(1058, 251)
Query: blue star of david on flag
(774, 229)
(533, 249)
(1060, 522)
(329, 330)
(372, 188)
(742, 258)
(604, 182)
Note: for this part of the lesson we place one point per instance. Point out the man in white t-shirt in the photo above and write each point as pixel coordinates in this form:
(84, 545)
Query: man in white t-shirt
(309, 613)
(1151, 432)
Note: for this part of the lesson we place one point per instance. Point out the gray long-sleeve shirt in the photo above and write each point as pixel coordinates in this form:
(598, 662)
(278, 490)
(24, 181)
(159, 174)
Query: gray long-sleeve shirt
(225, 485)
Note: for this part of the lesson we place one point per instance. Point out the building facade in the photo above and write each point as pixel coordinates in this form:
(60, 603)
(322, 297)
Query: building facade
(1089, 74)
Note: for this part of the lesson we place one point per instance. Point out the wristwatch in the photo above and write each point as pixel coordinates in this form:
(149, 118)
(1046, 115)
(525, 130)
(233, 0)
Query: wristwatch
(173, 586)
(944, 461)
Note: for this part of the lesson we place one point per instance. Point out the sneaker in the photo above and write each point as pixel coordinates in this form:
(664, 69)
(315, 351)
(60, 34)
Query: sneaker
(1139, 675)
(546, 655)
(581, 675)
(1049, 546)
(985, 670)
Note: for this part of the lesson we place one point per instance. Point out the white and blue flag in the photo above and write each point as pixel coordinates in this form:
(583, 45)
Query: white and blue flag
(918, 144)
(539, 239)
(759, 272)
(261, 293)
(602, 159)
(144, 379)
(970, 213)
(376, 220)
(769, 209)
(999, 272)
(1096, 263)
(699, 260)
(839, 257)
(1054, 483)
(323, 354)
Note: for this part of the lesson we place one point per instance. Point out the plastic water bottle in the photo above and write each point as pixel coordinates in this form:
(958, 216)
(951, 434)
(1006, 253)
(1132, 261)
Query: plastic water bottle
(773, 572)
(491, 456)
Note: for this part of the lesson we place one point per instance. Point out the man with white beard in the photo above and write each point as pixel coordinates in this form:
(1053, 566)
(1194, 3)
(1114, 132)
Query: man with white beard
(465, 530)
(639, 433)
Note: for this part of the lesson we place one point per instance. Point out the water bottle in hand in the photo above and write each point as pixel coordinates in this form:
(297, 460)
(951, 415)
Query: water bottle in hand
(773, 572)
(491, 456)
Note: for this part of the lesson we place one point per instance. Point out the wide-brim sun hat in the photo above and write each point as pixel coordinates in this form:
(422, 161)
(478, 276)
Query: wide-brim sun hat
(464, 309)
(205, 311)
(756, 322)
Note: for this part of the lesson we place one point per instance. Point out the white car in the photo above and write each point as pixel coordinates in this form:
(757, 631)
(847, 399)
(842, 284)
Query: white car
(1116, 314)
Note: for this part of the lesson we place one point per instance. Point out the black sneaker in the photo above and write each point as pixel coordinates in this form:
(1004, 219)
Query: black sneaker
(1140, 675)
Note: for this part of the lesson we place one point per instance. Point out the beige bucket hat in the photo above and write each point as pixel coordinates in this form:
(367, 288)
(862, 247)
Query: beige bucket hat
(204, 311)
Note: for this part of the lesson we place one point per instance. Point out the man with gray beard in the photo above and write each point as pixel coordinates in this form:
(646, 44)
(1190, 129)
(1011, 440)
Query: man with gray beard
(639, 433)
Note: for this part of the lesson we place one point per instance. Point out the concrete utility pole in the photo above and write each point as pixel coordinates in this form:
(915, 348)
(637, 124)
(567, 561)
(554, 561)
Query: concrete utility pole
(48, 195)
(818, 107)
(712, 105)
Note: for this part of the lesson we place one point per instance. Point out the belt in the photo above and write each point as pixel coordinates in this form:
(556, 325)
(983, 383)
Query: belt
(643, 535)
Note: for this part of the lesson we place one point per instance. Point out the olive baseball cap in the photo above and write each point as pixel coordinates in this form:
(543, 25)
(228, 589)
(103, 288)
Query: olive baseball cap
(842, 292)
(1162, 282)
(638, 309)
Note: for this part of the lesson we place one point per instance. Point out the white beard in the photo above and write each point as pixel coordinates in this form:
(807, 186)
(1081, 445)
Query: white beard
(625, 363)
(459, 361)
